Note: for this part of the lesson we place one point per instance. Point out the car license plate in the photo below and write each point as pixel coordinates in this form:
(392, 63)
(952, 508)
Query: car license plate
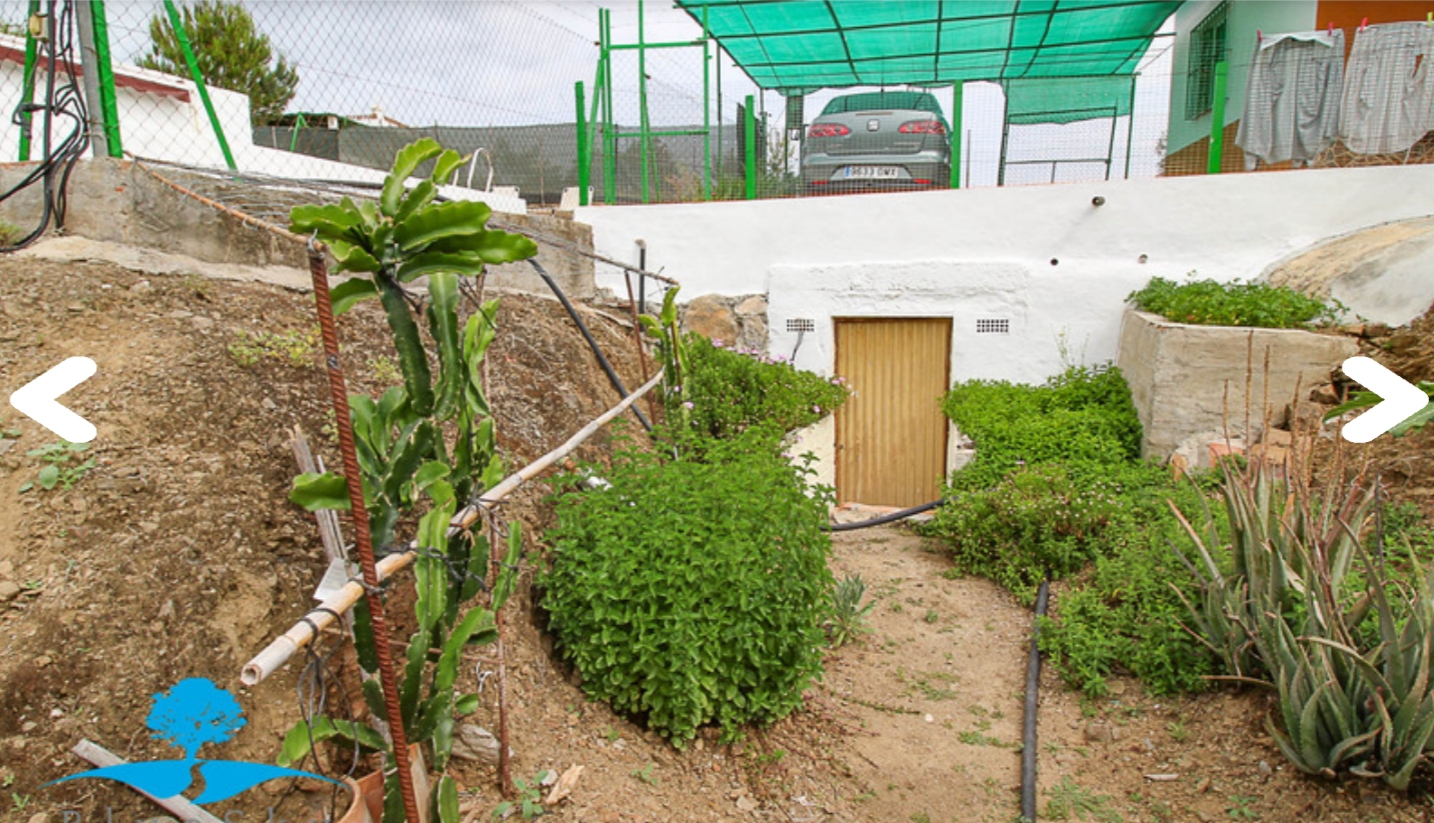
(873, 172)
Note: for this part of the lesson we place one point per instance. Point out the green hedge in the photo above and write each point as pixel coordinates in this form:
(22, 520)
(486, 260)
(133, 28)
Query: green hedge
(730, 390)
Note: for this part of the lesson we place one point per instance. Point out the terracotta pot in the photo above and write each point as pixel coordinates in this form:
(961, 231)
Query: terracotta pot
(367, 803)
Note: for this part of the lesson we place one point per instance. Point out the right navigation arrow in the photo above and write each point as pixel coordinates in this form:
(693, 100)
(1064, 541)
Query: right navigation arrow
(1401, 400)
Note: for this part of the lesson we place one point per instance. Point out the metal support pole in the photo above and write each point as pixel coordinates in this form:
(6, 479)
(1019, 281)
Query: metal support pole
(584, 156)
(707, 110)
(363, 540)
(645, 140)
(717, 58)
(90, 78)
(958, 98)
(1110, 146)
(109, 101)
(1005, 141)
(1217, 118)
(180, 35)
(1130, 125)
(27, 93)
(609, 159)
(749, 138)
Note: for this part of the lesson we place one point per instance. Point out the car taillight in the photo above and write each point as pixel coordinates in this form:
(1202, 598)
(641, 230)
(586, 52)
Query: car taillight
(828, 130)
(922, 127)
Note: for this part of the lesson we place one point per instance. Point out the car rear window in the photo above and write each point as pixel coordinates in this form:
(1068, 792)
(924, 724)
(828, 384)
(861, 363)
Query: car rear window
(916, 100)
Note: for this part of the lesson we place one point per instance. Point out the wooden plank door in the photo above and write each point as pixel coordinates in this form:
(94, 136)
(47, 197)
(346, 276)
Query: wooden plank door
(891, 436)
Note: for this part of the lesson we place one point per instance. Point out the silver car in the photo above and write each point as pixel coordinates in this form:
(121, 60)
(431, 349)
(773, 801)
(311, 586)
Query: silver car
(874, 141)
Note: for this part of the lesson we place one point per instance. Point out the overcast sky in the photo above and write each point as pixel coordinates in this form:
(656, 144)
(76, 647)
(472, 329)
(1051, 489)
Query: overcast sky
(514, 62)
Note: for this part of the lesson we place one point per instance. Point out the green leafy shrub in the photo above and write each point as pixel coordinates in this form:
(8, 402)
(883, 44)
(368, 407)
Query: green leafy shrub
(1083, 416)
(1056, 489)
(1035, 522)
(689, 592)
(1125, 613)
(717, 392)
(1208, 303)
(731, 390)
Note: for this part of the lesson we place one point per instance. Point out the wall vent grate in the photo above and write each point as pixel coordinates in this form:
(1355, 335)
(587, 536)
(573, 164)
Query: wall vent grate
(801, 324)
(993, 325)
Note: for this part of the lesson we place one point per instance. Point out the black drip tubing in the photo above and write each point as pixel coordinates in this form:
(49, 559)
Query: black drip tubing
(593, 344)
(1028, 737)
(885, 518)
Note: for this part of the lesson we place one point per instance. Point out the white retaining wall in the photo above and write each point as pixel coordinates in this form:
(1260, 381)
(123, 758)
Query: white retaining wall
(1045, 258)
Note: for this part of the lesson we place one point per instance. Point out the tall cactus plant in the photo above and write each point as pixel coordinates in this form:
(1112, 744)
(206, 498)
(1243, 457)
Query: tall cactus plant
(403, 453)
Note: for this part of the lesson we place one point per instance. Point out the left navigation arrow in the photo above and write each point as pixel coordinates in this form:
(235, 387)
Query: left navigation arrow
(36, 400)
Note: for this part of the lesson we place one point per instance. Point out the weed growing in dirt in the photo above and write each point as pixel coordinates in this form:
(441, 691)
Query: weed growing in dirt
(63, 467)
(976, 738)
(19, 802)
(1069, 801)
(529, 802)
(1208, 303)
(644, 775)
(297, 348)
(1177, 731)
(1239, 808)
(384, 370)
(848, 614)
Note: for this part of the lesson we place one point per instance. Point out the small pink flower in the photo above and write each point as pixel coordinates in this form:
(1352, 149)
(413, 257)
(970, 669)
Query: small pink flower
(687, 404)
(816, 409)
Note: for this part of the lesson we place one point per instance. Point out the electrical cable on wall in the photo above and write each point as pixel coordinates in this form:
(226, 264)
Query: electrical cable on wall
(63, 98)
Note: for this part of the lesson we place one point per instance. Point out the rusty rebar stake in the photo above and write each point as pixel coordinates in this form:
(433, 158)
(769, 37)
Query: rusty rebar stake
(319, 268)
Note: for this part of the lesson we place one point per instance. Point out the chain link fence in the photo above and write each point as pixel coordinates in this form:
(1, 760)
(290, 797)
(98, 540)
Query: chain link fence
(338, 87)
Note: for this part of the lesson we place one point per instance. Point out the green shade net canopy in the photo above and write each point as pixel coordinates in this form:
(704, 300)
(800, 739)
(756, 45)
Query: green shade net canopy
(1067, 99)
(798, 46)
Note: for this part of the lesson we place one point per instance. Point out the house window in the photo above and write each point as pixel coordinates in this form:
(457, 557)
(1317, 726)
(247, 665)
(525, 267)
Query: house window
(1207, 47)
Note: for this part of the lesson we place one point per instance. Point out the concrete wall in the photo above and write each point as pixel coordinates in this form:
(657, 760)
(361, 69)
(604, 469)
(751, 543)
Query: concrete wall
(116, 201)
(1045, 258)
(1185, 379)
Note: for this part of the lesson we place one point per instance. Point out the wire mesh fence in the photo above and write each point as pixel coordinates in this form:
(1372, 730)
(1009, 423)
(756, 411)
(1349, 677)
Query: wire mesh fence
(331, 90)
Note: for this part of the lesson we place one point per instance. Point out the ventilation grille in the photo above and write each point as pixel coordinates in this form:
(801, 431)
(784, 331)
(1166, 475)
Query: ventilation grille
(993, 325)
(802, 324)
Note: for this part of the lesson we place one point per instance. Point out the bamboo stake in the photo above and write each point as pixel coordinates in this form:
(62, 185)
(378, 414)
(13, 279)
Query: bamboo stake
(302, 633)
(178, 806)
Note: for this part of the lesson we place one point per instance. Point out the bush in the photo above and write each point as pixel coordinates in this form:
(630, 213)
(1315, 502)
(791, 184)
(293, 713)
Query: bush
(1056, 487)
(728, 391)
(691, 592)
(1125, 612)
(1036, 522)
(1082, 417)
(1208, 303)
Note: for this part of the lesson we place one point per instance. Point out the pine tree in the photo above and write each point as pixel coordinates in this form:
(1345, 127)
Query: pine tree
(232, 54)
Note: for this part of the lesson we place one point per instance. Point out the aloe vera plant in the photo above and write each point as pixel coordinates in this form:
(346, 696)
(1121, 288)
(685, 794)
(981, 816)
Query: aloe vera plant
(1299, 604)
(404, 455)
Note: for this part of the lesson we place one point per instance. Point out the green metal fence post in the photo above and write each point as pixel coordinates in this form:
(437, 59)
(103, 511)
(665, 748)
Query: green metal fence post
(27, 93)
(109, 105)
(644, 141)
(609, 155)
(584, 158)
(179, 33)
(958, 97)
(749, 137)
(1217, 118)
(706, 109)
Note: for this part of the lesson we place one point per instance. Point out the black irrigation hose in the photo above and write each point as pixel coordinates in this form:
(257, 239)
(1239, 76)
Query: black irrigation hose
(885, 518)
(587, 335)
(62, 99)
(1028, 738)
